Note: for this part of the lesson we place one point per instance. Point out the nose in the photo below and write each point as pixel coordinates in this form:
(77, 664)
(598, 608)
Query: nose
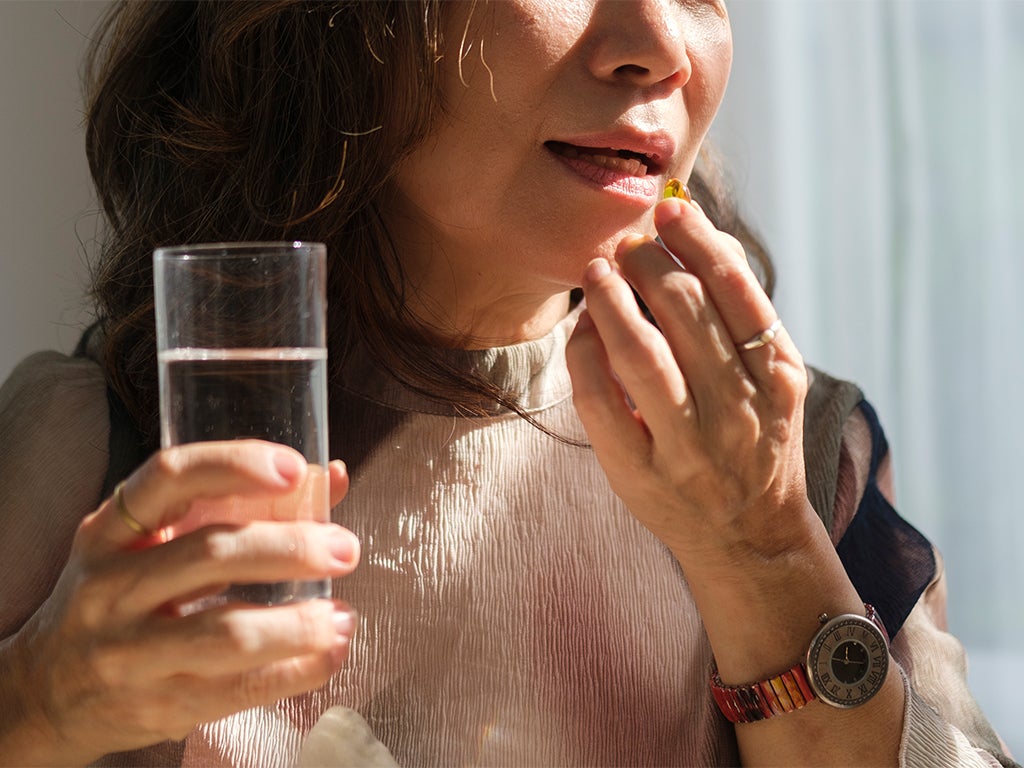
(640, 42)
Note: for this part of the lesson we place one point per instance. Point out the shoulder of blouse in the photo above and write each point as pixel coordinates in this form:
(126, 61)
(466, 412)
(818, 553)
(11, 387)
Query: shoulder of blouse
(828, 408)
(54, 429)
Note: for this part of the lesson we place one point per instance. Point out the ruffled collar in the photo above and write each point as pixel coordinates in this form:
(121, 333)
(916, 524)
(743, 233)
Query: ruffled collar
(534, 370)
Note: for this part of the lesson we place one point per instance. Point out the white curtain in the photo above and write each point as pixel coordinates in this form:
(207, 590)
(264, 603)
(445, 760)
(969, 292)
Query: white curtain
(878, 146)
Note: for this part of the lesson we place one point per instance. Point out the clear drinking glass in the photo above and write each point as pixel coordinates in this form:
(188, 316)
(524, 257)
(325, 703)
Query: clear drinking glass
(242, 354)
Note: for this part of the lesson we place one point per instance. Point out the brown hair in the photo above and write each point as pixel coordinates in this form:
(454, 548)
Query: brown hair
(278, 120)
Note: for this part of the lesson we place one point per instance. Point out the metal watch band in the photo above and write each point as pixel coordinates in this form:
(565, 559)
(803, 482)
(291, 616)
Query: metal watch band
(758, 701)
(872, 615)
(787, 691)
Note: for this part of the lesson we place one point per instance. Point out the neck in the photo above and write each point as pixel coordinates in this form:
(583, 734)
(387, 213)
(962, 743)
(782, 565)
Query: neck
(478, 317)
(470, 301)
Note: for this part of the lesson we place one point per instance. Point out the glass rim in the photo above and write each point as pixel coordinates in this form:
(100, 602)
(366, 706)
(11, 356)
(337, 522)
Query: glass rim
(228, 249)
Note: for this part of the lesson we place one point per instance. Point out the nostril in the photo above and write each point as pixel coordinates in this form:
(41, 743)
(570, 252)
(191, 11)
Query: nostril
(632, 70)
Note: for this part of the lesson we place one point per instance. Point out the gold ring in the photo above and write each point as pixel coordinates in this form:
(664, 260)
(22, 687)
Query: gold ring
(126, 516)
(762, 339)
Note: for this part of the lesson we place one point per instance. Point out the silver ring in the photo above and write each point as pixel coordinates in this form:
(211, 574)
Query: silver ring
(764, 338)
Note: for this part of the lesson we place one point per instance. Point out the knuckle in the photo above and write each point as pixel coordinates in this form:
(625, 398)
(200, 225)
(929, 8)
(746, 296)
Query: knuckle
(107, 664)
(653, 369)
(738, 391)
(235, 635)
(790, 378)
(169, 464)
(681, 289)
(93, 601)
(255, 688)
(219, 546)
(314, 629)
(781, 431)
(732, 279)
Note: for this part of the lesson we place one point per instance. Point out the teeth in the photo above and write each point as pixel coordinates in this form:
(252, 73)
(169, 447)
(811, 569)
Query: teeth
(628, 165)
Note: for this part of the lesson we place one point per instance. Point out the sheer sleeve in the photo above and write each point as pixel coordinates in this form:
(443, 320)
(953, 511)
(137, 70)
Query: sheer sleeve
(54, 428)
(896, 569)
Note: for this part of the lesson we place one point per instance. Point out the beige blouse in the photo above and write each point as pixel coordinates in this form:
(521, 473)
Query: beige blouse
(513, 613)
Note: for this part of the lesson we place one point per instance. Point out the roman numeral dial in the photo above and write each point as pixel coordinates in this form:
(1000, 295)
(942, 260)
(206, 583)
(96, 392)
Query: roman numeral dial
(848, 660)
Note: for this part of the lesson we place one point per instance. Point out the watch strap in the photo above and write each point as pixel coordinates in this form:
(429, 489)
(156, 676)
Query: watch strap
(759, 701)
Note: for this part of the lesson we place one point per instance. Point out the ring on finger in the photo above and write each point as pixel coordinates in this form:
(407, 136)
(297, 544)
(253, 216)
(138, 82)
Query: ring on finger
(127, 517)
(762, 339)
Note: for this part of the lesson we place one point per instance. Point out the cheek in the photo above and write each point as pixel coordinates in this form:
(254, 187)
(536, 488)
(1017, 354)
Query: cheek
(711, 57)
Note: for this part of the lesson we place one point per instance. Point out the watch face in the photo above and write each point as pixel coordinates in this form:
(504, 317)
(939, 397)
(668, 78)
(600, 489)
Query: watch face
(847, 661)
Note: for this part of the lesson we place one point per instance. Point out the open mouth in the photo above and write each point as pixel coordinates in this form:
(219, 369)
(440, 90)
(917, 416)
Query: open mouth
(623, 161)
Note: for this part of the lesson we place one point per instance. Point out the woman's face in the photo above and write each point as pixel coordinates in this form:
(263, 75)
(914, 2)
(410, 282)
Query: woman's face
(564, 118)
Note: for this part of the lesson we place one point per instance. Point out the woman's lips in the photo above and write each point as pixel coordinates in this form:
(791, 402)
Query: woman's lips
(622, 160)
(621, 170)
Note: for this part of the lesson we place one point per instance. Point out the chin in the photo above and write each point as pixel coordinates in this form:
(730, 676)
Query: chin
(570, 270)
(607, 246)
(560, 254)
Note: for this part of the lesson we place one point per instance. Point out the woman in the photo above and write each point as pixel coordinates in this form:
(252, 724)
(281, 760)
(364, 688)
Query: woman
(571, 518)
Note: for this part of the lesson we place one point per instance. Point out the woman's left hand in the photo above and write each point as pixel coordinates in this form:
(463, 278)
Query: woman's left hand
(702, 440)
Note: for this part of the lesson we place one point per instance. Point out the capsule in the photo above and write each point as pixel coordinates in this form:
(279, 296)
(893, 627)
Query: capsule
(676, 188)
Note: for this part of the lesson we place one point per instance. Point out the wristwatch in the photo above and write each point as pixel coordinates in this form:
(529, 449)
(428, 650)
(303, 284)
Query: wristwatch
(846, 664)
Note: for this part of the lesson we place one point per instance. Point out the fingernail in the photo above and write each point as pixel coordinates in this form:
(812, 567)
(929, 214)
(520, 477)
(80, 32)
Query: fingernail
(345, 622)
(629, 243)
(596, 269)
(289, 466)
(669, 208)
(672, 206)
(343, 546)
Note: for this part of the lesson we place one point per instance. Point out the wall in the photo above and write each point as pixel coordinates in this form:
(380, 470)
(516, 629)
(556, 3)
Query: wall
(46, 205)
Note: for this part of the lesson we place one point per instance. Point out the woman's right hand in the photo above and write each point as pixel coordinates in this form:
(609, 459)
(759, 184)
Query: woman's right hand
(106, 664)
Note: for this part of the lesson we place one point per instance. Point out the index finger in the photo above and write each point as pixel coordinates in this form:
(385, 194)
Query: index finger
(732, 285)
(161, 491)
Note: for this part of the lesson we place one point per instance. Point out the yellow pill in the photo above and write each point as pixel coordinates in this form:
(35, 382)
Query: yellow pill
(676, 188)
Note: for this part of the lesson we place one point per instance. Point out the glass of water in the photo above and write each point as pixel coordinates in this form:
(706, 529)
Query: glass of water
(242, 354)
